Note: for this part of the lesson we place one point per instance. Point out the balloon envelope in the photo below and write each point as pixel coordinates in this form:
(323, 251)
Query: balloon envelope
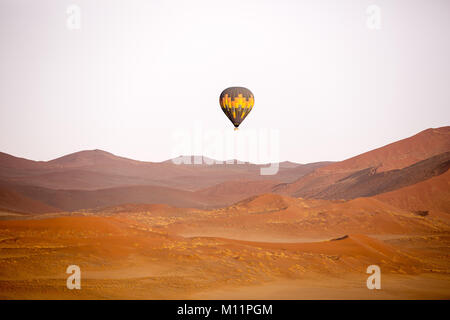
(236, 103)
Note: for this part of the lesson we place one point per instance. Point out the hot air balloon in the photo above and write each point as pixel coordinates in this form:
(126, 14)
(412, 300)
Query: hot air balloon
(236, 103)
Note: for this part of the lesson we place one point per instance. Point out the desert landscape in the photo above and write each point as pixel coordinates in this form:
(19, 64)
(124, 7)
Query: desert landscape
(160, 230)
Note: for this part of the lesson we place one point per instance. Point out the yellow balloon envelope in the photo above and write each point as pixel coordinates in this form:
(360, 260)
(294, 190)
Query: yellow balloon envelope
(236, 103)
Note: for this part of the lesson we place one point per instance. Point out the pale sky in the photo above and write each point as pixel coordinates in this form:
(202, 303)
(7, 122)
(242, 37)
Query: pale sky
(137, 71)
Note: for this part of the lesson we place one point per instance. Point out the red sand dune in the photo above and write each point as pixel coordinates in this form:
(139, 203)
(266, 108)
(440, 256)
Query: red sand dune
(122, 257)
(279, 218)
(397, 155)
(237, 190)
(429, 195)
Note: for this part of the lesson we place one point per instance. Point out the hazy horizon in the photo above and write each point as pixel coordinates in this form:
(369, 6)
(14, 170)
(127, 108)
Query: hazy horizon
(194, 155)
(137, 71)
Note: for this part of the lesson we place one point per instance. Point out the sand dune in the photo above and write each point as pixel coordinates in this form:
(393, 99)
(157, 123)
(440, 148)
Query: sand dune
(124, 256)
(400, 154)
(430, 195)
(368, 182)
(328, 182)
(234, 191)
(279, 218)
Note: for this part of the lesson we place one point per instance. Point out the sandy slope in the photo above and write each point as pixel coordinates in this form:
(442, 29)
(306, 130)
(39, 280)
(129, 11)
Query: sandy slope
(13, 201)
(133, 252)
(282, 218)
(394, 156)
(431, 195)
(399, 154)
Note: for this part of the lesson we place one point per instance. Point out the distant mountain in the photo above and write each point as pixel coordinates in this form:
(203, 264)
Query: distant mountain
(13, 167)
(97, 169)
(91, 158)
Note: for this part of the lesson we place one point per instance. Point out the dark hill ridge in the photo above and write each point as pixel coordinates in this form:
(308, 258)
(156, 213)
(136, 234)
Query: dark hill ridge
(72, 200)
(12, 201)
